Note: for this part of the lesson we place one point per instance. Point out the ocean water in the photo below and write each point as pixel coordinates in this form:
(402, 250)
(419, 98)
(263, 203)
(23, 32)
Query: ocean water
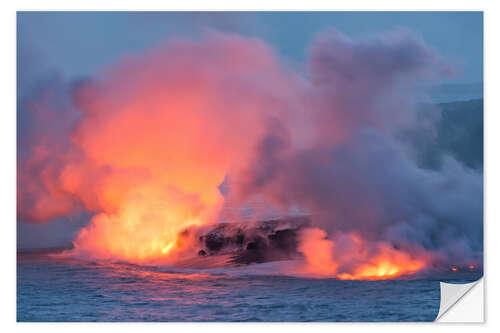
(51, 289)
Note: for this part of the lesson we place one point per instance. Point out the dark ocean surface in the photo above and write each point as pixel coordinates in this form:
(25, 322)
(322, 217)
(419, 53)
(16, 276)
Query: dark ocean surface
(50, 289)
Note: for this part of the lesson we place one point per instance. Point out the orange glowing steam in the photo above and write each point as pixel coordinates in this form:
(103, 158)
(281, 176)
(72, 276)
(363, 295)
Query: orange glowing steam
(158, 135)
(318, 251)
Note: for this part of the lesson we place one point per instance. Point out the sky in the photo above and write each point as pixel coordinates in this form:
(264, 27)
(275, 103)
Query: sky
(77, 44)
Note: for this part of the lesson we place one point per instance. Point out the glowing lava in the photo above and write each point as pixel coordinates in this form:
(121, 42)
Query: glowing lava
(361, 260)
(385, 268)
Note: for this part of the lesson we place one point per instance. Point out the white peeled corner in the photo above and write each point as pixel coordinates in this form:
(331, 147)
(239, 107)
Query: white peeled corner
(462, 303)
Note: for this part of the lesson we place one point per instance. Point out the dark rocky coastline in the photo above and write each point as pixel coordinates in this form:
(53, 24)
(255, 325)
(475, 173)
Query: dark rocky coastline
(252, 242)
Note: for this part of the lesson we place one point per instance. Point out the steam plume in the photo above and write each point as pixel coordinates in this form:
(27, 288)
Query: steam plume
(158, 133)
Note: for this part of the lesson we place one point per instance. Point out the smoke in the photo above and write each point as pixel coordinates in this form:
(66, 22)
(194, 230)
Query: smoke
(355, 175)
(159, 132)
(157, 135)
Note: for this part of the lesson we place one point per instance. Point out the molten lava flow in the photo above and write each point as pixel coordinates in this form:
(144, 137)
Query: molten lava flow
(388, 264)
(362, 260)
(144, 228)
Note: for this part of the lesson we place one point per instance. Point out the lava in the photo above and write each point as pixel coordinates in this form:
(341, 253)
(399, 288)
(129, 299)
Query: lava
(372, 261)
(385, 267)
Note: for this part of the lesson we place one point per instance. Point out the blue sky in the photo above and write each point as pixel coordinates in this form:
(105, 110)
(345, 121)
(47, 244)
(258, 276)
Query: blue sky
(77, 44)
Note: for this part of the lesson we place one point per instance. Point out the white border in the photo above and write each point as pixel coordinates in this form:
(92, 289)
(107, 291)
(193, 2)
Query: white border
(254, 5)
(8, 152)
